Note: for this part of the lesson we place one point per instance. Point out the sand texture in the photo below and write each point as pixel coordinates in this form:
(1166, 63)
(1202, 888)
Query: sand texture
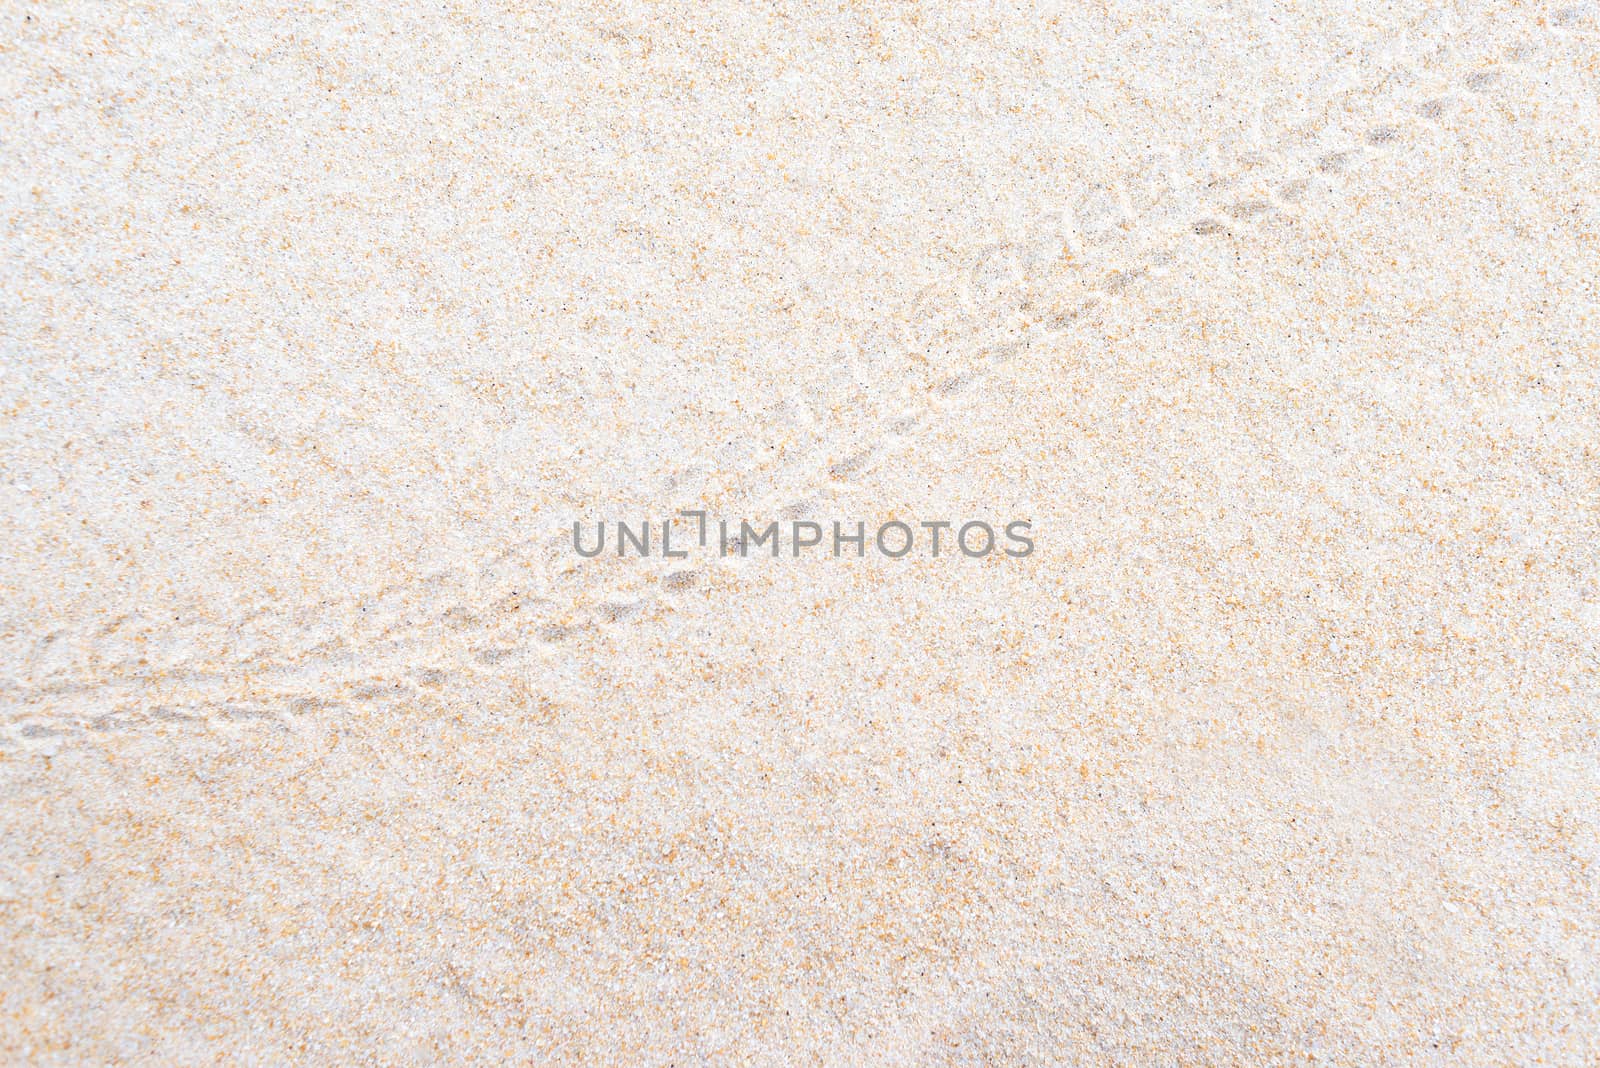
(320, 326)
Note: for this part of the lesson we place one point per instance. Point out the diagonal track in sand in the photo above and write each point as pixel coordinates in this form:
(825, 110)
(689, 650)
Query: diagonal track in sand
(1007, 296)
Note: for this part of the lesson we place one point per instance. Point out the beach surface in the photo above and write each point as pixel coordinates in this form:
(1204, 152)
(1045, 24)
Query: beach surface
(319, 330)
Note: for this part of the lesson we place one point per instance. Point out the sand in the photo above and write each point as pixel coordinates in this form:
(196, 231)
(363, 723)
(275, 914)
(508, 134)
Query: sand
(319, 329)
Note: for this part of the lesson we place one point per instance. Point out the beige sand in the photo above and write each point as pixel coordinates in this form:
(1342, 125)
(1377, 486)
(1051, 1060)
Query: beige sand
(318, 744)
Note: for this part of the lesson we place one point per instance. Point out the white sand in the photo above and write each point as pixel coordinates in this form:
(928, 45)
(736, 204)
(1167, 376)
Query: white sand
(318, 744)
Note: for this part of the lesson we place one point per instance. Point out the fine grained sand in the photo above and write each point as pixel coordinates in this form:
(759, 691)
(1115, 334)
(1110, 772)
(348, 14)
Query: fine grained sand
(318, 744)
